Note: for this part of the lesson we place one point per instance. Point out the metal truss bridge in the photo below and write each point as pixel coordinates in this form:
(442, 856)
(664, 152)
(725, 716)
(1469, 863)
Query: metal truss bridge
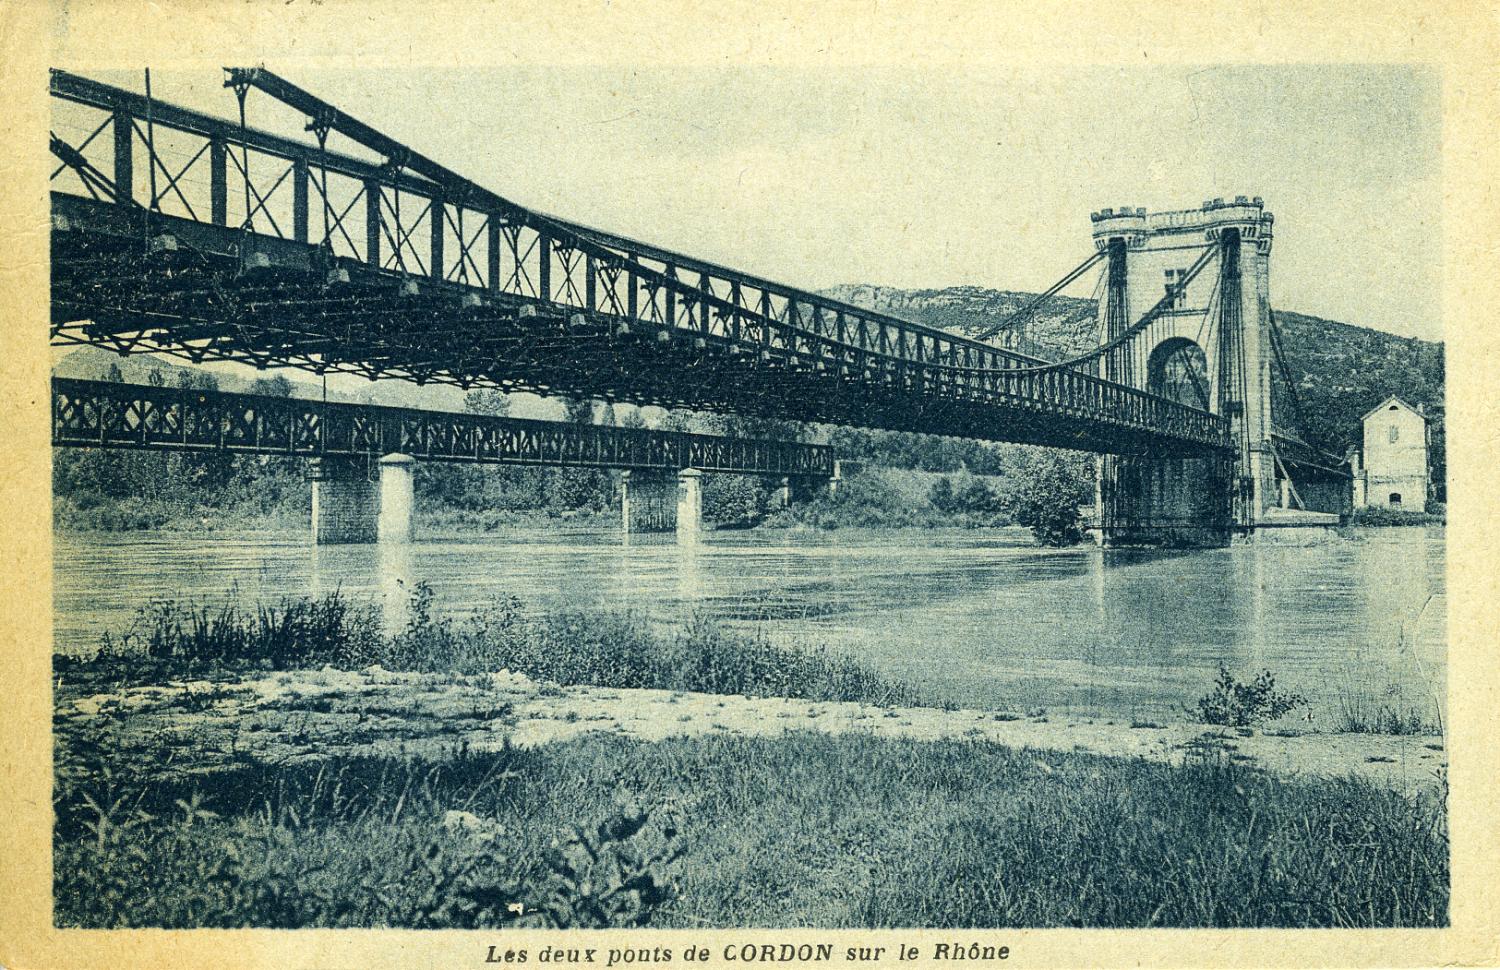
(181, 232)
(107, 414)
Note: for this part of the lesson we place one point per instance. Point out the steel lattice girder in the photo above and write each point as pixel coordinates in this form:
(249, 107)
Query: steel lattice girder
(209, 291)
(112, 289)
(110, 414)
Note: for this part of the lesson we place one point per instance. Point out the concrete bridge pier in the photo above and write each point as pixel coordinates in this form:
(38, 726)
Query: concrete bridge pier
(662, 502)
(1173, 502)
(397, 498)
(781, 495)
(689, 505)
(347, 507)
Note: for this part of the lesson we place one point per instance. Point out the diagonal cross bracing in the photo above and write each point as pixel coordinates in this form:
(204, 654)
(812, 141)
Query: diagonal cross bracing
(109, 414)
(560, 308)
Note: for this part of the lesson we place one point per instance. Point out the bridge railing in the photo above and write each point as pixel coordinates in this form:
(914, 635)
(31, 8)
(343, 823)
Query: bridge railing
(118, 415)
(150, 155)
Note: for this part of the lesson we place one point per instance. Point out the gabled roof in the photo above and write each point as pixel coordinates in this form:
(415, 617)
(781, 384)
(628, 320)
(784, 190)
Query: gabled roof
(1393, 399)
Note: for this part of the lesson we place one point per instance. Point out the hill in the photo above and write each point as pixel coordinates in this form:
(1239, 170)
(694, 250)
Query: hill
(1064, 327)
(1339, 370)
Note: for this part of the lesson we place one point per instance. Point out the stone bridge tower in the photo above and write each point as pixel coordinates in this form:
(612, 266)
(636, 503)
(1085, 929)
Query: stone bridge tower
(1210, 347)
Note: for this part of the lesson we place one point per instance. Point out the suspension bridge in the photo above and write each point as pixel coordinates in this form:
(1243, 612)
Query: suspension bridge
(340, 249)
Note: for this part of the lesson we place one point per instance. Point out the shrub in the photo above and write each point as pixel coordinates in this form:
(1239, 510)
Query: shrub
(941, 495)
(610, 877)
(1376, 516)
(1048, 499)
(1236, 704)
(734, 500)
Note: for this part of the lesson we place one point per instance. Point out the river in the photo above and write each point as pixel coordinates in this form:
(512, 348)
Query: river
(982, 617)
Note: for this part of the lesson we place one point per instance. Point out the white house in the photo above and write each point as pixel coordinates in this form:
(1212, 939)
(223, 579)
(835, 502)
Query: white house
(1392, 471)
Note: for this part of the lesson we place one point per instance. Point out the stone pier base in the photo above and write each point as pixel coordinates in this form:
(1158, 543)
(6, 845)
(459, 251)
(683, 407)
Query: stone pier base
(1176, 502)
(689, 504)
(656, 502)
(347, 506)
(344, 502)
(781, 494)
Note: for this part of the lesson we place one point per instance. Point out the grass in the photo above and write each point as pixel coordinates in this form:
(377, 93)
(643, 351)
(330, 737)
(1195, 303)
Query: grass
(804, 829)
(1360, 714)
(1380, 516)
(800, 830)
(565, 647)
(296, 634)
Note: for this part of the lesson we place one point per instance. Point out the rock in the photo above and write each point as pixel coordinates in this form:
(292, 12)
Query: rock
(470, 824)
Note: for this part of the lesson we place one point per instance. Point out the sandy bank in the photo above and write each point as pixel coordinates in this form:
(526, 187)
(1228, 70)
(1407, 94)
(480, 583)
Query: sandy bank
(191, 726)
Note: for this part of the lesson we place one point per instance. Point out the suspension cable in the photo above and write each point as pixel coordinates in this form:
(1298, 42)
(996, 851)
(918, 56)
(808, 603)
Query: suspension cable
(1036, 302)
(150, 143)
(1208, 312)
(1286, 373)
(1291, 483)
(1174, 292)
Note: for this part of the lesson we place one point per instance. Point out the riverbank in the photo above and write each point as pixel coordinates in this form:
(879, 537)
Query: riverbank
(193, 727)
(300, 766)
(255, 496)
(355, 799)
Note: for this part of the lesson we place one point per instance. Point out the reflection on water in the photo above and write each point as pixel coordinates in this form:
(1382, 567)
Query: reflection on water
(982, 616)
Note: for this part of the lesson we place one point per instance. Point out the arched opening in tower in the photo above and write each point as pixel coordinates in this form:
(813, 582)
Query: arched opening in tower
(1178, 371)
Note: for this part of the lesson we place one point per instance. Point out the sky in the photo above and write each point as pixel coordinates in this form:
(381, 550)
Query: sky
(925, 179)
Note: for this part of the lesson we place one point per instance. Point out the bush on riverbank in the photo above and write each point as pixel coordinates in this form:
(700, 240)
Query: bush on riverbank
(887, 498)
(121, 491)
(566, 647)
(1233, 703)
(808, 829)
(1043, 489)
(1375, 516)
(1050, 493)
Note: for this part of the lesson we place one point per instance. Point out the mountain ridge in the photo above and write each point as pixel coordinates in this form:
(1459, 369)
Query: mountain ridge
(1339, 370)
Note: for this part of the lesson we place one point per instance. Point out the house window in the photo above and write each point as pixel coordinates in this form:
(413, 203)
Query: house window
(1393, 433)
(1395, 498)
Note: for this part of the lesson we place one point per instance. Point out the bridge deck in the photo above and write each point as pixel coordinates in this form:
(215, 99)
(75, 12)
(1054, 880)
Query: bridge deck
(470, 288)
(120, 415)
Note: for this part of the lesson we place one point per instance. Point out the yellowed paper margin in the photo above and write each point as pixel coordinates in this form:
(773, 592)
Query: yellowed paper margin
(1457, 39)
